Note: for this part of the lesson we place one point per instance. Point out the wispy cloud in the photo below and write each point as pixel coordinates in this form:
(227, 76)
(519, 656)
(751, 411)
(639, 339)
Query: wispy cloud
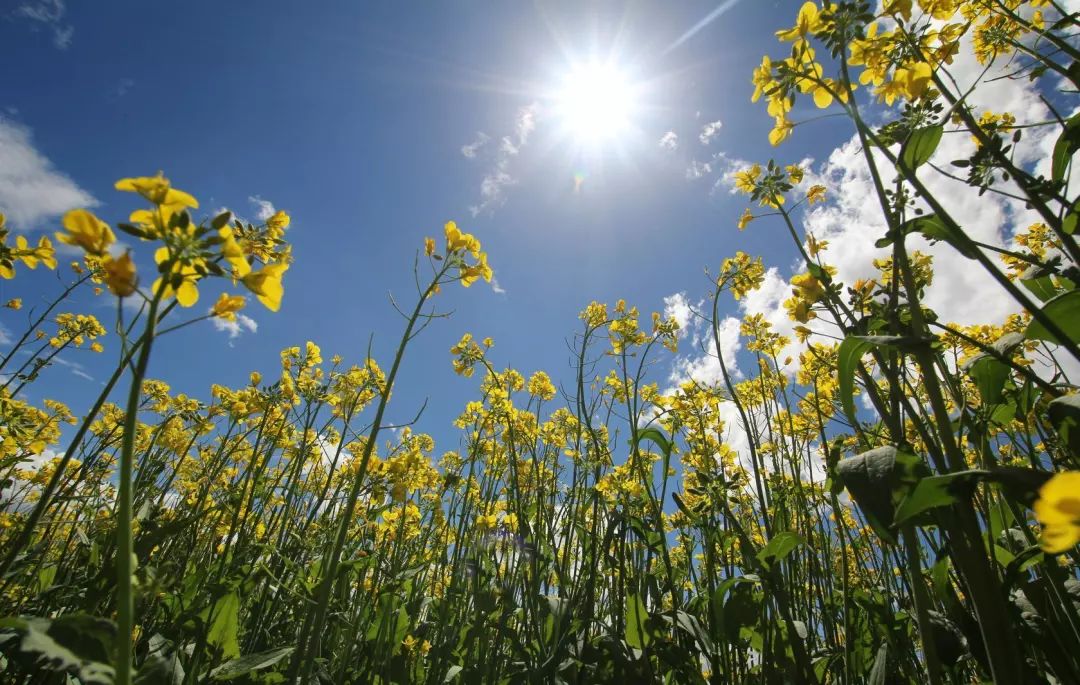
(669, 141)
(122, 87)
(470, 150)
(48, 14)
(710, 131)
(498, 179)
(75, 368)
(31, 189)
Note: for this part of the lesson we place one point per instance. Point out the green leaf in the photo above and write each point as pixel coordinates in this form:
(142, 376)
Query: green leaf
(851, 351)
(778, 549)
(46, 577)
(878, 480)
(879, 672)
(657, 437)
(1064, 414)
(936, 491)
(638, 633)
(933, 228)
(1039, 281)
(1067, 144)
(920, 146)
(250, 663)
(224, 620)
(848, 356)
(1063, 310)
(78, 644)
(162, 664)
(990, 373)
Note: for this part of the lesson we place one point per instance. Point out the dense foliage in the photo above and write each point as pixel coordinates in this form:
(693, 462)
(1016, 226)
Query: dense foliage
(900, 502)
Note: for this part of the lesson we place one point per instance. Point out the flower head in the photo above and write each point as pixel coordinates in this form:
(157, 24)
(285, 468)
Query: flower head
(227, 306)
(120, 274)
(266, 284)
(157, 189)
(86, 231)
(1058, 511)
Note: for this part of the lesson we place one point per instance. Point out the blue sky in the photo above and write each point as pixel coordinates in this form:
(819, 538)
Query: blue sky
(353, 116)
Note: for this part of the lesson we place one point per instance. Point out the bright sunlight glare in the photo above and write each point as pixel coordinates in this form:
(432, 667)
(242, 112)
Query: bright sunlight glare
(596, 102)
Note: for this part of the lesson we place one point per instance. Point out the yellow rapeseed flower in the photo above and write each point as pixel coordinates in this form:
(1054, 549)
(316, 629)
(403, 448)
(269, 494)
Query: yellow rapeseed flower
(86, 231)
(1058, 511)
(279, 221)
(266, 284)
(120, 274)
(14, 303)
(157, 189)
(745, 219)
(227, 306)
(815, 194)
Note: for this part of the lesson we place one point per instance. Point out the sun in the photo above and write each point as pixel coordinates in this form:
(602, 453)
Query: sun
(596, 102)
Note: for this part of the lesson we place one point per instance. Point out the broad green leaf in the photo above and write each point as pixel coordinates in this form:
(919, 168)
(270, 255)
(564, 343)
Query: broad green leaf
(779, 547)
(224, 620)
(1064, 311)
(638, 634)
(78, 644)
(46, 577)
(936, 491)
(878, 480)
(1039, 281)
(250, 663)
(989, 375)
(920, 146)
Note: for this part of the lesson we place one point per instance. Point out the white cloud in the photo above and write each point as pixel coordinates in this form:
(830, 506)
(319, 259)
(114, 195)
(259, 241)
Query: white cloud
(122, 87)
(470, 150)
(5, 335)
(48, 14)
(669, 141)
(237, 327)
(32, 191)
(498, 179)
(495, 287)
(264, 209)
(698, 170)
(705, 367)
(710, 131)
(76, 368)
(678, 307)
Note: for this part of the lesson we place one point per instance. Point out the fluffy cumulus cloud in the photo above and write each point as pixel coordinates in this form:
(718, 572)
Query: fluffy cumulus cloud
(498, 178)
(264, 209)
(709, 131)
(234, 329)
(669, 141)
(32, 191)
